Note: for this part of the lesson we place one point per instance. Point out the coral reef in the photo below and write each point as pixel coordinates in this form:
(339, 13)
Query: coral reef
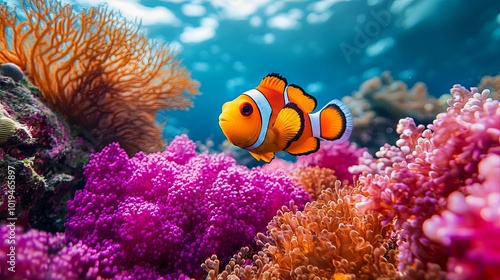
(426, 208)
(380, 102)
(41, 255)
(315, 179)
(470, 226)
(327, 240)
(491, 83)
(335, 156)
(46, 158)
(97, 69)
(421, 175)
(168, 212)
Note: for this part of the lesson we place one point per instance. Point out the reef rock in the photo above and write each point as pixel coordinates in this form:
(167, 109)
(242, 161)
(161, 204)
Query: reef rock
(41, 161)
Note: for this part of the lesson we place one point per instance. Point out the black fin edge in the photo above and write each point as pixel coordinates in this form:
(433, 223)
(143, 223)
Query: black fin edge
(273, 74)
(344, 122)
(310, 152)
(306, 94)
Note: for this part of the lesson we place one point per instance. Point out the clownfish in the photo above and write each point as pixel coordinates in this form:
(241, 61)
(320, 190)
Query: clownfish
(276, 116)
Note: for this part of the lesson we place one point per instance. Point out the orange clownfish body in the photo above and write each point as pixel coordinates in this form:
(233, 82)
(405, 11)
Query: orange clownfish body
(276, 116)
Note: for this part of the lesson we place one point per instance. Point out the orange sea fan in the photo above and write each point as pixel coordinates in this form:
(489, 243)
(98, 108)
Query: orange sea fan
(97, 69)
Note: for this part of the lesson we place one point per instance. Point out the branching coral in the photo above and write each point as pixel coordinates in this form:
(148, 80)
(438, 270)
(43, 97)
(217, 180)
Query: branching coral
(168, 212)
(470, 225)
(327, 240)
(97, 69)
(413, 181)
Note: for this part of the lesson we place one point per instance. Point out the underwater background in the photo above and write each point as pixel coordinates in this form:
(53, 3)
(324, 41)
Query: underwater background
(113, 164)
(327, 47)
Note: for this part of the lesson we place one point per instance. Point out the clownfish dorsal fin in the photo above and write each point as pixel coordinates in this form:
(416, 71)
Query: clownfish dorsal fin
(289, 125)
(298, 96)
(273, 81)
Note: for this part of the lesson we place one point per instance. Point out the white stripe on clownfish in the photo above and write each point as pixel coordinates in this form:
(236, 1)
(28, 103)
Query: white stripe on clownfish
(265, 111)
(285, 95)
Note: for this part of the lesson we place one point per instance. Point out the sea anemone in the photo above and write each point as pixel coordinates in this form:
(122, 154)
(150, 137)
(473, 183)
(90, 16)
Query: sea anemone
(97, 69)
(315, 179)
(329, 239)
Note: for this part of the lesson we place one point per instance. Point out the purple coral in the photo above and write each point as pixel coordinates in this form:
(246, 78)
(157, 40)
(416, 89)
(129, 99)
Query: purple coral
(40, 255)
(167, 212)
(413, 181)
(336, 156)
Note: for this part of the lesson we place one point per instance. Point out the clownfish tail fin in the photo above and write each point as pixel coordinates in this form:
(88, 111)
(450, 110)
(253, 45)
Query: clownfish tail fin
(333, 122)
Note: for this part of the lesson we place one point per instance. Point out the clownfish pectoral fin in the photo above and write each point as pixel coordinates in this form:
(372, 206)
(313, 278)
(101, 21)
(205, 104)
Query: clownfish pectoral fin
(267, 157)
(298, 96)
(289, 125)
(333, 122)
(273, 81)
(308, 146)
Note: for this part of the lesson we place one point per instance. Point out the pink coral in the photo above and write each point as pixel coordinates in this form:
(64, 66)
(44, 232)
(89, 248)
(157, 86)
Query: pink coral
(411, 182)
(470, 225)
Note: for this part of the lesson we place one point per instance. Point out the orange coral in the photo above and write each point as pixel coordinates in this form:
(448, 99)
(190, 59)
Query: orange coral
(315, 179)
(327, 240)
(97, 69)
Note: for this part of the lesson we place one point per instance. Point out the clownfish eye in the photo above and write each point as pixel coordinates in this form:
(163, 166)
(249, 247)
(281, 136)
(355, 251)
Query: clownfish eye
(246, 109)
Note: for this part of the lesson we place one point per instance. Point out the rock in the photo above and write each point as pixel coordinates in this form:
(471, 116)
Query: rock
(41, 159)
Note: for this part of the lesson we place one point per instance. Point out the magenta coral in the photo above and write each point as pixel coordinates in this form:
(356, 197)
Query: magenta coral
(411, 182)
(471, 226)
(41, 255)
(167, 212)
(336, 156)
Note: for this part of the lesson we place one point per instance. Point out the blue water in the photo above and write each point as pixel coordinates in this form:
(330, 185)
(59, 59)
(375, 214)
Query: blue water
(328, 47)
(439, 42)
